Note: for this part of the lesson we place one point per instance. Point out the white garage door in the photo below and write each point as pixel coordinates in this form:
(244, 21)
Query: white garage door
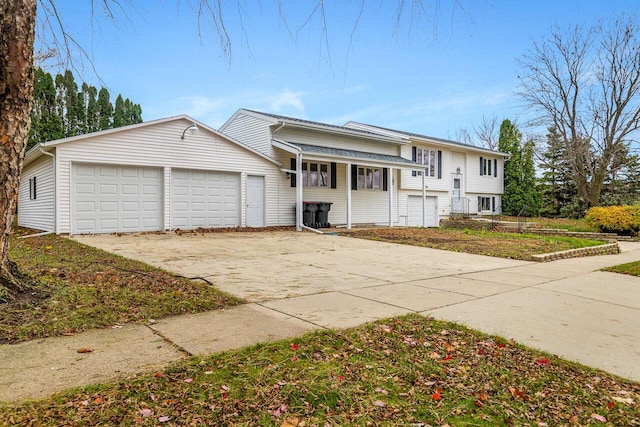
(204, 199)
(108, 199)
(414, 216)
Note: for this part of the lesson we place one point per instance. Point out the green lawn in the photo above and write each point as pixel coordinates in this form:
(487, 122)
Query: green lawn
(407, 371)
(631, 268)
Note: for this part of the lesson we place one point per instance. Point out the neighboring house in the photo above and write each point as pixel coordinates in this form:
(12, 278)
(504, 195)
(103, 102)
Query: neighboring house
(370, 173)
(148, 177)
(258, 170)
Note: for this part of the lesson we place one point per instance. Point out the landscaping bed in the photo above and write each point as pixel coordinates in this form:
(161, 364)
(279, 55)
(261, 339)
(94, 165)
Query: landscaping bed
(480, 242)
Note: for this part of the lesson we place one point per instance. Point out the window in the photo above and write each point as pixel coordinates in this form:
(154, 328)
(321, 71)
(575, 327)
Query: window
(369, 178)
(427, 158)
(315, 174)
(32, 188)
(486, 204)
(488, 167)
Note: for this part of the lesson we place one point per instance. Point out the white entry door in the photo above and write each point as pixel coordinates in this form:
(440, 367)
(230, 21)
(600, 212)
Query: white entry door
(457, 204)
(255, 201)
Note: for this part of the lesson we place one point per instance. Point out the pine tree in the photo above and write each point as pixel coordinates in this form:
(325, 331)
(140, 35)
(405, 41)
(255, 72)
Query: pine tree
(520, 193)
(105, 110)
(119, 113)
(61, 110)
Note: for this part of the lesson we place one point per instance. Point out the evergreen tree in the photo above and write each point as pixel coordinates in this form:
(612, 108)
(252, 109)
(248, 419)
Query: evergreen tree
(105, 110)
(119, 113)
(61, 110)
(519, 172)
(91, 117)
(558, 189)
(46, 124)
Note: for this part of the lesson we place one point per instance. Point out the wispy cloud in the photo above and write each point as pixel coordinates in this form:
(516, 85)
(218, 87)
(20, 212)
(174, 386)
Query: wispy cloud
(287, 98)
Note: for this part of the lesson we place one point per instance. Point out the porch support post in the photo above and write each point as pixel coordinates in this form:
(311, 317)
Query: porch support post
(424, 201)
(348, 196)
(299, 185)
(390, 187)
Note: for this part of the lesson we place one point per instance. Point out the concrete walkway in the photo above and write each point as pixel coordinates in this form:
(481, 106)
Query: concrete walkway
(298, 282)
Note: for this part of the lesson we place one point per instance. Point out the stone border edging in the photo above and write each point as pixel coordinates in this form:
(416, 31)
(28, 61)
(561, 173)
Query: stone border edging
(608, 249)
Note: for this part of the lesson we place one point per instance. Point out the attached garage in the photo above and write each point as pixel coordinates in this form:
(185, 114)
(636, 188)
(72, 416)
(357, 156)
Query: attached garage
(414, 211)
(205, 199)
(108, 199)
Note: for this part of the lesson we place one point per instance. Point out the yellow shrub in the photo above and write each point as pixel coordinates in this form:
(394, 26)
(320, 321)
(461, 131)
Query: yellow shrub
(620, 219)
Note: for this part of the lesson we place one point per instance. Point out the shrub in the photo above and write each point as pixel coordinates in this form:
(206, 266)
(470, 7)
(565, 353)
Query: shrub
(618, 219)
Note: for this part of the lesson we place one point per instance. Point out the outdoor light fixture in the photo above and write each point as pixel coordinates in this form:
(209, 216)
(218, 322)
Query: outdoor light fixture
(192, 128)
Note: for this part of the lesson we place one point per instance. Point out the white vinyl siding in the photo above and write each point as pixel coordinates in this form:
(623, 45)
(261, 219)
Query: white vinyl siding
(159, 145)
(251, 131)
(332, 140)
(108, 199)
(38, 213)
(205, 199)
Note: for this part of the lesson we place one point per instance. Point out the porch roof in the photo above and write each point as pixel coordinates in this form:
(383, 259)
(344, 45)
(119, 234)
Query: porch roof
(350, 155)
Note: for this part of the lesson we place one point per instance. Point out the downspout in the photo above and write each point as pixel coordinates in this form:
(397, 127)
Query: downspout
(55, 186)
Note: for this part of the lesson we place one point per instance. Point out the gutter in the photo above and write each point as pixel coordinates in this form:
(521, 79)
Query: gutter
(55, 186)
(44, 233)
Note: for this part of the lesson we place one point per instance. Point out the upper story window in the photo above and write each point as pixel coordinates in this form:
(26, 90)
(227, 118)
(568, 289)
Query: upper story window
(431, 159)
(488, 167)
(315, 174)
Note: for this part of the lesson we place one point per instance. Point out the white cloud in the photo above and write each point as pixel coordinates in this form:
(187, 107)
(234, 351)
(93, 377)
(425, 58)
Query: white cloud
(286, 98)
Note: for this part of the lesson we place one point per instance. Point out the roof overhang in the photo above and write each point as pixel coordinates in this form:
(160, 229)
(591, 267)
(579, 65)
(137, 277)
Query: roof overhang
(341, 155)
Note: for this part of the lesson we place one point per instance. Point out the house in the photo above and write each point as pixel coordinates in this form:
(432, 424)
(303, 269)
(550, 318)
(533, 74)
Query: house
(151, 176)
(375, 175)
(258, 170)
(468, 179)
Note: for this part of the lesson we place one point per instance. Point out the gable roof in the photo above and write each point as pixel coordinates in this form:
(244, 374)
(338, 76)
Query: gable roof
(36, 151)
(275, 119)
(425, 138)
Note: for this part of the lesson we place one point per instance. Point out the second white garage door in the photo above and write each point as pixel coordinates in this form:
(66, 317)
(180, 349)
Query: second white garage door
(204, 199)
(414, 211)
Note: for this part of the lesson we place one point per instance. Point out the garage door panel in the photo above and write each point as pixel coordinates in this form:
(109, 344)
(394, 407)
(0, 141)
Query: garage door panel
(212, 199)
(414, 211)
(109, 199)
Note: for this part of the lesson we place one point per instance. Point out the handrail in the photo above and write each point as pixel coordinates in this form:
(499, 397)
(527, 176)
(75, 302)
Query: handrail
(522, 222)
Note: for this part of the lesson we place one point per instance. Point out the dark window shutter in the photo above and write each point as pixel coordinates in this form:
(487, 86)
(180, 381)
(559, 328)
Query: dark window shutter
(293, 175)
(334, 177)
(385, 179)
(354, 177)
(493, 204)
(34, 189)
(495, 167)
(481, 166)
(439, 164)
(414, 156)
(479, 204)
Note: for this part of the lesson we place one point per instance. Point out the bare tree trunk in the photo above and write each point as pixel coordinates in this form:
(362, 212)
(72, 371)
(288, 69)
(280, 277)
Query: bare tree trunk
(17, 27)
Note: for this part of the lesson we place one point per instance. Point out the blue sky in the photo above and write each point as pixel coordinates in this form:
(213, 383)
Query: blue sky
(434, 75)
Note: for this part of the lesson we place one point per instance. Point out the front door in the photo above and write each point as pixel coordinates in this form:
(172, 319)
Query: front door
(255, 201)
(456, 198)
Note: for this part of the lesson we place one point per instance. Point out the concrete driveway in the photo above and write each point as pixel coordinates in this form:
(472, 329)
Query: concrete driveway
(564, 307)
